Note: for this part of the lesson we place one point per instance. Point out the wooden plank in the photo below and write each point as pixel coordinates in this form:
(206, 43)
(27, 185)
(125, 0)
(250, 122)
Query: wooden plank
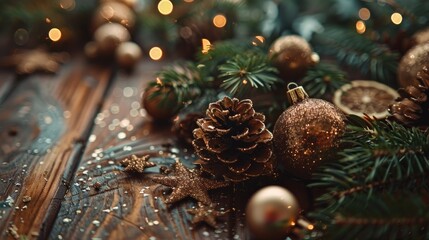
(42, 124)
(129, 206)
(6, 84)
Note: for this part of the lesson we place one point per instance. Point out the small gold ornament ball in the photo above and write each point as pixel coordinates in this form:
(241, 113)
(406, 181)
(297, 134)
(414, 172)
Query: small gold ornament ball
(292, 55)
(91, 50)
(411, 63)
(271, 212)
(307, 134)
(156, 107)
(114, 12)
(109, 36)
(130, 3)
(128, 54)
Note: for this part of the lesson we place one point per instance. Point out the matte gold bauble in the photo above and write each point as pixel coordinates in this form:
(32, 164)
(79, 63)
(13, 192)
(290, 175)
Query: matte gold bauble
(114, 12)
(128, 54)
(307, 133)
(292, 55)
(160, 104)
(130, 3)
(271, 213)
(109, 36)
(91, 50)
(411, 63)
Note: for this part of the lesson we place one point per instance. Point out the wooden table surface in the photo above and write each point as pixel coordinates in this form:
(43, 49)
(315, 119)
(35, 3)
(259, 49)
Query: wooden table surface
(62, 133)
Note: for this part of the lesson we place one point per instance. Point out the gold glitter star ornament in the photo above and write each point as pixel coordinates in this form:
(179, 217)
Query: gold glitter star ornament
(137, 164)
(307, 133)
(188, 183)
(204, 214)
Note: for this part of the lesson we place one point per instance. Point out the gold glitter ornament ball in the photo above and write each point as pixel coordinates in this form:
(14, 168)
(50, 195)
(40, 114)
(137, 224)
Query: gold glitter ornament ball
(411, 63)
(307, 133)
(271, 213)
(292, 55)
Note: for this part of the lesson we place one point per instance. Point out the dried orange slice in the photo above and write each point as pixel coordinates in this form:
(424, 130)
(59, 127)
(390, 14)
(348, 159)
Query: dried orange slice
(365, 97)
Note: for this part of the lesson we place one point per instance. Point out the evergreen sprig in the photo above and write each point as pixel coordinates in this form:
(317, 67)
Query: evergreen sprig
(386, 216)
(182, 82)
(323, 79)
(355, 50)
(383, 159)
(246, 71)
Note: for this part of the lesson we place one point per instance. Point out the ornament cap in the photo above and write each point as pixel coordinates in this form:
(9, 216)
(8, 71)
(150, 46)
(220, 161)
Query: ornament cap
(295, 93)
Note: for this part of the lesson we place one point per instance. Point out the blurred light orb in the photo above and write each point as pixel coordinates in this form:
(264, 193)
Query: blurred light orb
(396, 18)
(219, 21)
(360, 27)
(67, 4)
(55, 34)
(21, 36)
(205, 44)
(258, 40)
(165, 7)
(364, 14)
(155, 53)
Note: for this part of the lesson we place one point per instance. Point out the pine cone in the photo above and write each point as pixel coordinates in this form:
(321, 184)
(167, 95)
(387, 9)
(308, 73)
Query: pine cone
(412, 107)
(232, 141)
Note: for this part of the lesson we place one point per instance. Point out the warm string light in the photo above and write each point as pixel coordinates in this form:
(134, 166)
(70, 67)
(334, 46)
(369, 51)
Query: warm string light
(54, 34)
(258, 40)
(396, 18)
(165, 7)
(155, 53)
(360, 27)
(219, 21)
(205, 45)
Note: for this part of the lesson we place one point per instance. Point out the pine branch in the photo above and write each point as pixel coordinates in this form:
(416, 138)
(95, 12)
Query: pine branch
(323, 79)
(219, 53)
(383, 159)
(357, 51)
(182, 82)
(246, 71)
(381, 217)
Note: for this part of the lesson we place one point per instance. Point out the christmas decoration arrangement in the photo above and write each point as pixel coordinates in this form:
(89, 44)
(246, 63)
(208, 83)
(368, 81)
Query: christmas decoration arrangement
(334, 96)
(113, 22)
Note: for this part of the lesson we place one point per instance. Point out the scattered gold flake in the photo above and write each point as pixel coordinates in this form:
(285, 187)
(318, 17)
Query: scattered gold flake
(26, 199)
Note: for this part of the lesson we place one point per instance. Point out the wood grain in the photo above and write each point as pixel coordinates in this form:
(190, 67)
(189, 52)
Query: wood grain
(42, 123)
(6, 84)
(130, 206)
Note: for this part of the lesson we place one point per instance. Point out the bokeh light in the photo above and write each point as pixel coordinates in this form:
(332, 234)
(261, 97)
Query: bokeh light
(219, 21)
(165, 7)
(364, 14)
(21, 36)
(360, 27)
(205, 44)
(258, 40)
(396, 18)
(155, 53)
(67, 4)
(55, 34)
